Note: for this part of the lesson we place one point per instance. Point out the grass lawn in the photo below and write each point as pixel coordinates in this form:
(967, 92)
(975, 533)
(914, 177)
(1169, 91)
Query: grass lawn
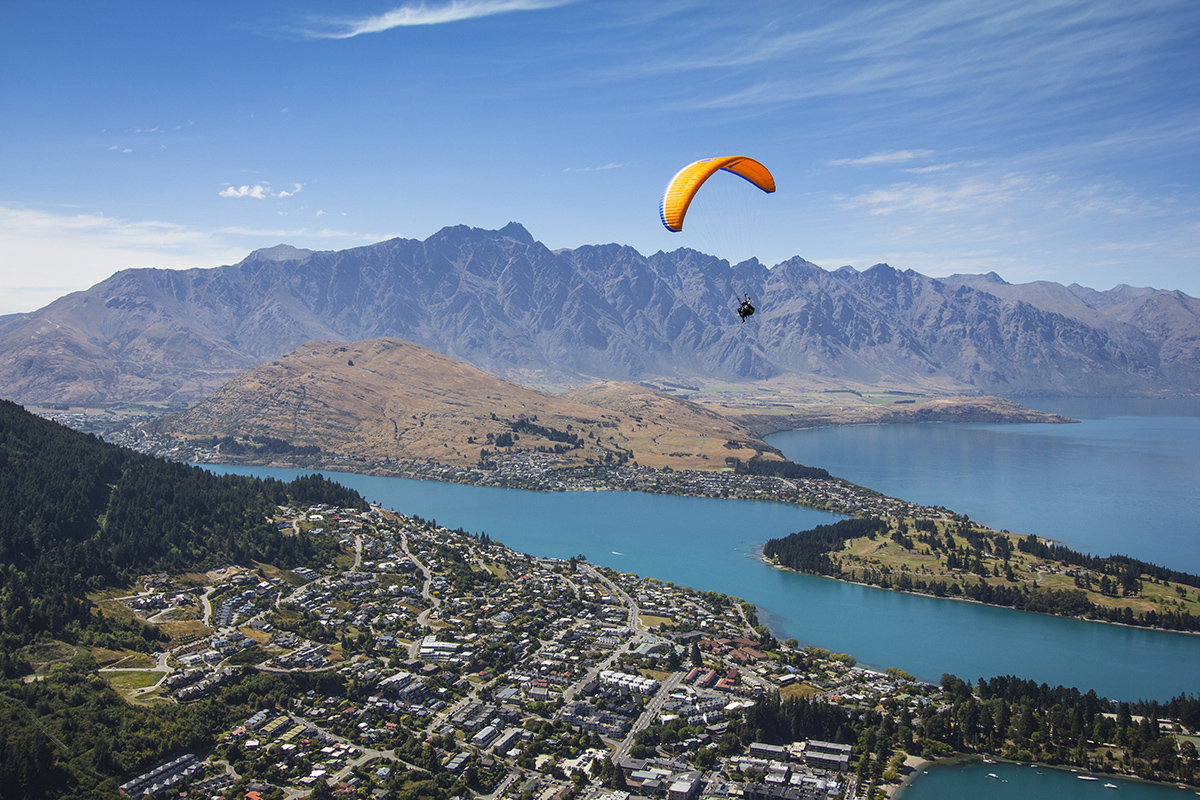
(112, 591)
(128, 683)
(122, 658)
(183, 630)
(499, 570)
(262, 637)
(798, 691)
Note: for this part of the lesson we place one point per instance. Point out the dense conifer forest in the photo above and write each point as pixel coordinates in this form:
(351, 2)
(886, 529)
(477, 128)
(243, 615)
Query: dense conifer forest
(78, 514)
(777, 469)
(808, 551)
(71, 736)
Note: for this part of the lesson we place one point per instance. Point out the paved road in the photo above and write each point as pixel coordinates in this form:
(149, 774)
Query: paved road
(414, 649)
(206, 604)
(649, 715)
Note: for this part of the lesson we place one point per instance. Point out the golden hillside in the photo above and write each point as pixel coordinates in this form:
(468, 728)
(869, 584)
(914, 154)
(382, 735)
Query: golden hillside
(388, 398)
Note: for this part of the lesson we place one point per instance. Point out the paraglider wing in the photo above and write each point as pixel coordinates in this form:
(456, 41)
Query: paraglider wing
(683, 187)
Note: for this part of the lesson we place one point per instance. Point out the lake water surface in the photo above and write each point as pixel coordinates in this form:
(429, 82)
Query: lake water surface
(970, 780)
(709, 543)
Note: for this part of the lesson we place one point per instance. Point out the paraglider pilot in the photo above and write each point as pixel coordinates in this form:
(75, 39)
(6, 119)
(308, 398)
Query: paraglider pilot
(745, 309)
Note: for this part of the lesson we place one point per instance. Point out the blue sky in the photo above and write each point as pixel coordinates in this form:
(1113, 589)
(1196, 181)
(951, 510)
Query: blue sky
(1042, 140)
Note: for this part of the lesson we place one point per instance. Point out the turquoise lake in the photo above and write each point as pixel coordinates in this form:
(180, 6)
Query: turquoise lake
(970, 779)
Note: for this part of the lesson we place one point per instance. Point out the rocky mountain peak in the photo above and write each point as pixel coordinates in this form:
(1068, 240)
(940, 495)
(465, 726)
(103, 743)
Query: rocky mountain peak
(280, 252)
(515, 230)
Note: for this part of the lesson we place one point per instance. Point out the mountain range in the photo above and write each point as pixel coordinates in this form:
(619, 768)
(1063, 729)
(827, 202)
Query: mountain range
(508, 305)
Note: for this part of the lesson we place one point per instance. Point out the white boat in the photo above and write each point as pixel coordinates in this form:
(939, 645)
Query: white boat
(1111, 786)
(993, 775)
(1086, 778)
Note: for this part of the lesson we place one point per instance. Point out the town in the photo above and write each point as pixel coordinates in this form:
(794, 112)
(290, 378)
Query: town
(462, 668)
(515, 468)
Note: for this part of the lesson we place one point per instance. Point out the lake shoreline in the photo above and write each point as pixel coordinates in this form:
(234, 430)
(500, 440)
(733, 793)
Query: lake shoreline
(448, 474)
(768, 562)
(970, 758)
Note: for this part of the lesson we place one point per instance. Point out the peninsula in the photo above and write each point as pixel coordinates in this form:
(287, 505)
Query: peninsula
(954, 557)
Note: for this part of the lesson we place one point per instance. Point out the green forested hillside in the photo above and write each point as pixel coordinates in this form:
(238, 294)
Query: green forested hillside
(78, 514)
(72, 737)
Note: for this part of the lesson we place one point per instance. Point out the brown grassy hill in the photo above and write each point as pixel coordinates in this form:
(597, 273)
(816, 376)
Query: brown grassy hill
(388, 398)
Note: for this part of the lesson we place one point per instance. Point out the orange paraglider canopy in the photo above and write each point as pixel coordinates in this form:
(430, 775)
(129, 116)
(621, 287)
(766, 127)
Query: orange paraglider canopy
(683, 187)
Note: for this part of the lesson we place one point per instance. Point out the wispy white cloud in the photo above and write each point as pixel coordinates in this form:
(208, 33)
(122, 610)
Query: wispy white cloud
(112, 230)
(892, 157)
(421, 14)
(1116, 200)
(593, 169)
(929, 62)
(1109, 247)
(942, 167)
(258, 191)
(968, 195)
(68, 252)
(296, 233)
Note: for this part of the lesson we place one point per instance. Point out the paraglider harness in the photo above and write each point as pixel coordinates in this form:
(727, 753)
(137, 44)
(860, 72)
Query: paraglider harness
(744, 308)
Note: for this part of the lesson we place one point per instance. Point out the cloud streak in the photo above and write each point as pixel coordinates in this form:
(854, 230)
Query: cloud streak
(969, 195)
(415, 14)
(893, 157)
(258, 191)
(593, 169)
(69, 252)
(954, 63)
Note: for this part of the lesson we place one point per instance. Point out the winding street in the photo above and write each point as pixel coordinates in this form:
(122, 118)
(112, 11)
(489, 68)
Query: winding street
(414, 649)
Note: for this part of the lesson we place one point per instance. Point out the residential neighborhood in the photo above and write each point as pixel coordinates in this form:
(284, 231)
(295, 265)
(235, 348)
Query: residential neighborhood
(465, 665)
